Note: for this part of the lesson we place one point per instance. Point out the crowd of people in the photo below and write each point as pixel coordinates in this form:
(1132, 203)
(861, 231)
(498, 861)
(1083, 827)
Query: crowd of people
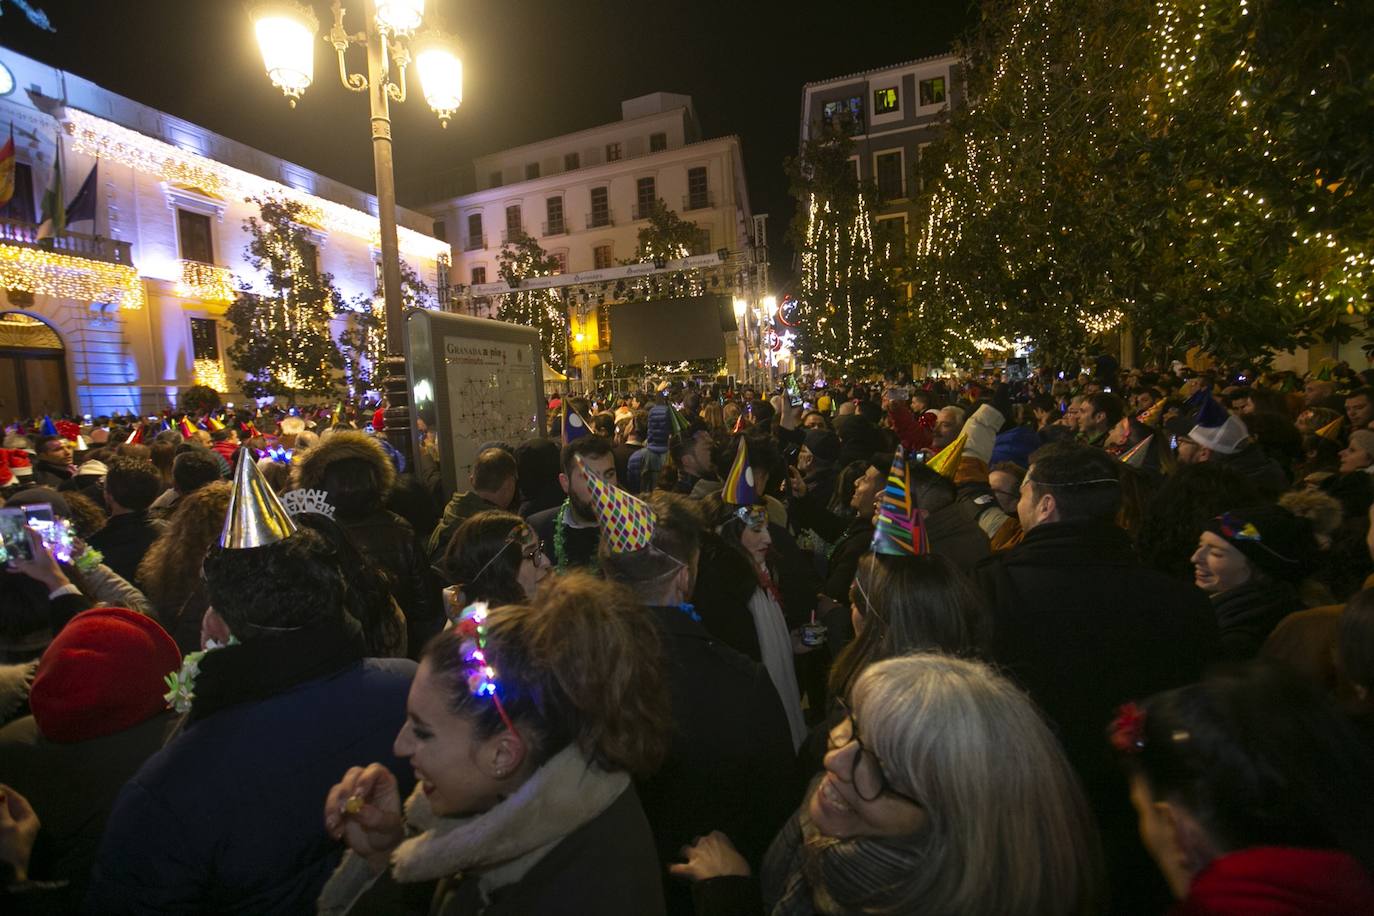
(1064, 644)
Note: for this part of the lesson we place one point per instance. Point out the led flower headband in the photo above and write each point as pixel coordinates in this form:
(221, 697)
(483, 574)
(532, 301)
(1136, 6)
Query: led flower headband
(481, 676)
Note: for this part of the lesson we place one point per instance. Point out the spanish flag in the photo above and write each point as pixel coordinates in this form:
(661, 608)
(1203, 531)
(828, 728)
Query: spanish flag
(7, 169)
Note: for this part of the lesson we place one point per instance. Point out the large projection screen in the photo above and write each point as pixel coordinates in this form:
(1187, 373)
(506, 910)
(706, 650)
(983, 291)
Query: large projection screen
(670, 330)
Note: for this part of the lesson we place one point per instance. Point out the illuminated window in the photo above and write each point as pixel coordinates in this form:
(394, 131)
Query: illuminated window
(846, 114)
(571, 161)
(612, 152)
(885, 100)
(933, 91)
(194, 231)
(658, 142)
(601, 257)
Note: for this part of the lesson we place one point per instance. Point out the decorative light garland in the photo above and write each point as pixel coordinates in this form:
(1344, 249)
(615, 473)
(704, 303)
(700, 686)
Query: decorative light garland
(106, 140)
(210, 372)
(206, 282)
(44, 272)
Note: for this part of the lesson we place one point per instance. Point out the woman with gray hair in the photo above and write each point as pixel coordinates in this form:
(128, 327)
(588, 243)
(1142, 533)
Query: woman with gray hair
(944, 792)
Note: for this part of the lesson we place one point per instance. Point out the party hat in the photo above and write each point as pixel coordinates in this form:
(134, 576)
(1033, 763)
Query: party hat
(338, 418)
(900, 530)
(81, 445)
(256, 517)
(1150, 415)
(574, 426)
(214, 424)
(676, 419)
(1324, 373)
(1331, 430)
(1211, 414)
(49, 428)
(68, 429)
(187, 428)
(740, 426)
(739, 485)
(135, 437)
(627, 523)
(945, 462)
(1135, 456)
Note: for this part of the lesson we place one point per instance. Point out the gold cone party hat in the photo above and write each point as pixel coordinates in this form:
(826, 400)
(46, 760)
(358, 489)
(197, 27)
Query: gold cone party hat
(1331, 430)
(946, 461)
(1135, 457)
(627, 523)
(1150, 415)
(256, 517)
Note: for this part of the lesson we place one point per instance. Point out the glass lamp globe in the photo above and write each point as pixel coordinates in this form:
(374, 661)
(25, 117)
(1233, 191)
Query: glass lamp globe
(286, 35)
(399, 17)
(441, 74)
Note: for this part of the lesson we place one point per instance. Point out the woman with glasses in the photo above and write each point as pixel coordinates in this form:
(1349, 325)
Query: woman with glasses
(944, 792)
(525, 726)
(493, 557)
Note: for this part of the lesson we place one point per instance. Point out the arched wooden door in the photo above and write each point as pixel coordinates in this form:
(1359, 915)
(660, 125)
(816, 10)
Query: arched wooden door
(33, 369)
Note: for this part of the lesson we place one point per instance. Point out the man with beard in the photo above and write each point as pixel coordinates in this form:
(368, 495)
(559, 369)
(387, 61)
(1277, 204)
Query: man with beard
(570, 532)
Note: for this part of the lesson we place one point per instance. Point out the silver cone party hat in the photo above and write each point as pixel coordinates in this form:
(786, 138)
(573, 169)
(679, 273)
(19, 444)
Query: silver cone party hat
(256, 516)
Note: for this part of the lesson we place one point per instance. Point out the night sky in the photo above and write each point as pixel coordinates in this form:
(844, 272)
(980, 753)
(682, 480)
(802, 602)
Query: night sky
(532, 69)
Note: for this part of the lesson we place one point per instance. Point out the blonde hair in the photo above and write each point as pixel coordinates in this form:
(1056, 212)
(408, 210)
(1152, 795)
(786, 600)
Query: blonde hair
(1321, 509)
(1009, 832)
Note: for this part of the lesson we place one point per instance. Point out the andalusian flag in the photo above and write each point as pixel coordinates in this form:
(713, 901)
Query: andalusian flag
(54, 201)
(7, 169)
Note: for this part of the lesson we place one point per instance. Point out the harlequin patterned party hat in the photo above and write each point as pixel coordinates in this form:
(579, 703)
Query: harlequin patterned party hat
(627, 523)
(945, 462)
(1135, 457)
(256, 516)
(574, 427)
(739, 484)
(900, 530)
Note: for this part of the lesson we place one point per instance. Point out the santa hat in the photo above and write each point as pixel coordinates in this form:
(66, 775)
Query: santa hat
(627, 523)
(19, 465)
(900, 530)
(739, 483)
(256, 516)
(101, 674)
(6, 475)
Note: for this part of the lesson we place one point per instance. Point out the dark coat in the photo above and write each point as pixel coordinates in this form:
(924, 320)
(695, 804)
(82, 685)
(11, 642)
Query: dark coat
(607, 867)
(955, 535)
(725, 583)
(73, 787)
(731, 753)
(581, 543)
(388, 541)
(228, 817)
(124, 540)
(1247, 614)
(460, 508)
(1084, 628)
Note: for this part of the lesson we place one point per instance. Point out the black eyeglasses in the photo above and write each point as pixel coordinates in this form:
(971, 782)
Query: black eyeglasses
(866, 773)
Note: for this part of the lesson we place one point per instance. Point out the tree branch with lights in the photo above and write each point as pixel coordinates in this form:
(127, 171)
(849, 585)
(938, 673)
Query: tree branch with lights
(522, 258)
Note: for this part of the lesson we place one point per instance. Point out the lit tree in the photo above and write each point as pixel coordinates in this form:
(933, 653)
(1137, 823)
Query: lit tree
(282, 344)
(667, 236)
(846, 298)
(363, 341)
(522, 258)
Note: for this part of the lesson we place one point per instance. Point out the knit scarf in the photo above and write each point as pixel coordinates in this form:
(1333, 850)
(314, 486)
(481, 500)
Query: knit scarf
(503, 844)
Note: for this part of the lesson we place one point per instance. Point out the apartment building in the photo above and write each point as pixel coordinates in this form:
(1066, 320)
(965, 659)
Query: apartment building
(122, 311)
(892, 114)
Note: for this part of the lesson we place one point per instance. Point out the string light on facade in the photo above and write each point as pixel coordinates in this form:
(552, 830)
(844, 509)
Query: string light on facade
(52, 273)
(210, 372)
(206, 282)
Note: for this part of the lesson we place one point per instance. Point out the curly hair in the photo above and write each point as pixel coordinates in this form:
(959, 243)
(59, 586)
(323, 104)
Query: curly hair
(581, 664)
(170, 570)
(87, 516)
(1181, 508)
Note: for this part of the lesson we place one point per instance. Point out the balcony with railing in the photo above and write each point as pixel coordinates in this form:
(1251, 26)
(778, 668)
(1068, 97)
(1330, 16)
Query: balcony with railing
(206, 283)
(702, 201)
(597, 220)
(475, 242)
(77, 244)
(557, 227)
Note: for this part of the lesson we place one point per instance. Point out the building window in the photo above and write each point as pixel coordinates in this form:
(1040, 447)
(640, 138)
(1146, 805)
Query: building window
(494, 179)
(20, 207)
(310, 257)
(612, 152)
(658, 142)
(476, 239)
(854, 164)
(885, 100)
(645, 195)
(603, 327)
(194, 232)
(531, 171)
(554, 208)
(702, 245)
(514, 227)
(698, 196)
(204, 339)
(933, 91)
(890, 237)
(844, 114)
(601, 208)
(601, 257)
(571, 161)
(887, 168)
(479, 275)
(441, 230)
(560, 261)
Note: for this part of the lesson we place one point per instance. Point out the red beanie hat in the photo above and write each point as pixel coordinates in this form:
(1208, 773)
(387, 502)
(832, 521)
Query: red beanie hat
(379, 419)
(101, 674)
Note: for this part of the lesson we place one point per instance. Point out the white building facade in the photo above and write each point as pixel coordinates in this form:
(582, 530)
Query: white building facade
(585, 197)
(121, 313)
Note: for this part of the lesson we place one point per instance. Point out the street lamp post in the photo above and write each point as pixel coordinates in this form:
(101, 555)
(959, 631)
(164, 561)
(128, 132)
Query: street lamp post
(285, 30)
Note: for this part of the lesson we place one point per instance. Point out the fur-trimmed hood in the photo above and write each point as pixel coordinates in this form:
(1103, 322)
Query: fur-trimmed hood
(340, 445)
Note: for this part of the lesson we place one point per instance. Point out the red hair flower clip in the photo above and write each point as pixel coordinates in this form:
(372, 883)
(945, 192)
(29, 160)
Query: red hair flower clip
(1128, 729)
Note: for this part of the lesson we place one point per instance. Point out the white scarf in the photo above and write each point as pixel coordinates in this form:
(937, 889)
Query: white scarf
(775, 648)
